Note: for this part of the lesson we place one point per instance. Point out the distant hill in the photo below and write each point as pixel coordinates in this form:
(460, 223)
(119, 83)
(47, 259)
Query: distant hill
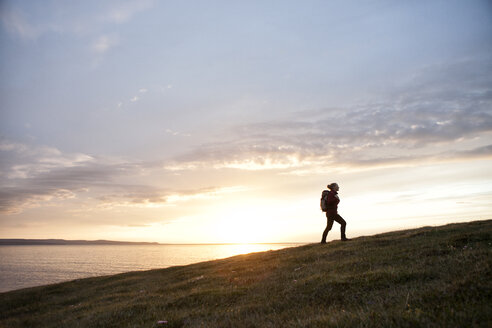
(68, 242)
(427, 277)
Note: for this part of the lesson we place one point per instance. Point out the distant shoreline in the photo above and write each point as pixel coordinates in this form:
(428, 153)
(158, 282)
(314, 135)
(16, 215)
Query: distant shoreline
(14, 242)
(54, 242)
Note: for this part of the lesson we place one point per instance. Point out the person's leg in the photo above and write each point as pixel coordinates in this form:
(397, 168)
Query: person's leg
(343, 226)
(329, 224)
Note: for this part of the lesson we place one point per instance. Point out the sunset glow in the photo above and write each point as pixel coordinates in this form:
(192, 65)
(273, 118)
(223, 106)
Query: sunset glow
(222, 121)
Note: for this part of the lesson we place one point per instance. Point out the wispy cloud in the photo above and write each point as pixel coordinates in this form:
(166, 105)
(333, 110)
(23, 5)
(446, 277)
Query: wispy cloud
(148, 196)
(25, 161)
(38, 176)
(104, 43)
(123, 11)
(12, 146)
(32, 175)
(17, 24)
(88, 25)
(140, 94)
(57, 183)
(177, 133)
(14, 200)
(404, 127)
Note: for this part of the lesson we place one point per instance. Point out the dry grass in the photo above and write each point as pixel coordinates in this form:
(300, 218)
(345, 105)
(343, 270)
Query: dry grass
(428, 277)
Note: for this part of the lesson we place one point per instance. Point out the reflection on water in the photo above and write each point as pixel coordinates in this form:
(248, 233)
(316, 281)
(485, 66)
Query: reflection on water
(28, 266)
(242, 249)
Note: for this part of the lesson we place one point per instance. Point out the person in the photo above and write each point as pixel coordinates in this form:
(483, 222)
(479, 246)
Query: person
(332, 215)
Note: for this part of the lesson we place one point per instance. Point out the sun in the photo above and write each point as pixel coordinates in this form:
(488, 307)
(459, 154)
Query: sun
(244, 226)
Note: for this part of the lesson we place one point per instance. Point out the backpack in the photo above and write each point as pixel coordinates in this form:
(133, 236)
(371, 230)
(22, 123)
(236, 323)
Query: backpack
(323, 205)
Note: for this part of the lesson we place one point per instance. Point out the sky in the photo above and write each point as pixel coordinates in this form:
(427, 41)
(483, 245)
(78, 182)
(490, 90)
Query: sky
(222, 121)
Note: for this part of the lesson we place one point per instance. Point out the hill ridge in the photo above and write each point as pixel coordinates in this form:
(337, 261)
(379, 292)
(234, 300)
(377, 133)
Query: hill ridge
(426, 277)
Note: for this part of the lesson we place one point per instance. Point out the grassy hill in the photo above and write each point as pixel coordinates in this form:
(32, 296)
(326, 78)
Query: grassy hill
(427, 277)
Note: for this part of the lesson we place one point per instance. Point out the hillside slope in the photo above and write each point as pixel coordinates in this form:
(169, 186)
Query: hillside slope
(428, 277)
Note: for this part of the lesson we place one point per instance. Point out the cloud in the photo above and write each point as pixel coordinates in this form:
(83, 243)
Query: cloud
(25, 161)
(104, 43)
(32, 22)
(176, 133)
(134, 99)
(32, 175)
(14, 199)
(427, 118)
(12, 146)
(41, 176)
(16, 23)
(147, 196)
(123, 11)
(362, 137)
(60, 183)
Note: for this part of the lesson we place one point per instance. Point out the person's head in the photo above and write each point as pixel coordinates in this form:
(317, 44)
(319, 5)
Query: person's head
(333, 186)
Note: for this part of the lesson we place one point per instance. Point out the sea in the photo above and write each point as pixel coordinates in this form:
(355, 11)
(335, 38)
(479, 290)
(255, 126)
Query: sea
(23, 266)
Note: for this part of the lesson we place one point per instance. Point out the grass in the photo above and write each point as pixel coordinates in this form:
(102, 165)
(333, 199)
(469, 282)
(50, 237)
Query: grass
(427, 277)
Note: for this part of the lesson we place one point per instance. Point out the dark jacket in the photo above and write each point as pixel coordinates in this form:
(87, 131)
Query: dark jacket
(332, 201)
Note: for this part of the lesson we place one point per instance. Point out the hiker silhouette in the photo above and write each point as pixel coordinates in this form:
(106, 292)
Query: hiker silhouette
(332, 215)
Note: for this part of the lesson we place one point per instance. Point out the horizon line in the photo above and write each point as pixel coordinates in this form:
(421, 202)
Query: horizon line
(4, 241)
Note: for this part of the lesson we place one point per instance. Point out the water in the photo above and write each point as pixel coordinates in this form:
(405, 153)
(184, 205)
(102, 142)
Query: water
(29, 266)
